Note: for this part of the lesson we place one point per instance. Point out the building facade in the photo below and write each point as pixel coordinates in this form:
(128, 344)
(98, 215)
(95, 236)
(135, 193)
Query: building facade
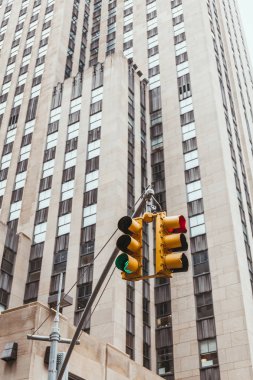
(98, 100)
(96, 360)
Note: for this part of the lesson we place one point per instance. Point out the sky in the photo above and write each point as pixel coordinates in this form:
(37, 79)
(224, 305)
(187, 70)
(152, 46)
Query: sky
(246, 11)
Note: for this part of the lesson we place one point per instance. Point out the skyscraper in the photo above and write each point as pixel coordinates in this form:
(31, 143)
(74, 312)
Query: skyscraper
(98, 100)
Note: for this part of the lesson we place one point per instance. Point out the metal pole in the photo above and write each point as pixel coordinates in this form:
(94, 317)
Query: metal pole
(47, 339)
(93, 297)
(55, 337)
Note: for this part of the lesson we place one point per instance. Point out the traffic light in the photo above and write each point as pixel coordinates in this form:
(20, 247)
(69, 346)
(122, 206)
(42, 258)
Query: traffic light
(170, 240)
(130, 262)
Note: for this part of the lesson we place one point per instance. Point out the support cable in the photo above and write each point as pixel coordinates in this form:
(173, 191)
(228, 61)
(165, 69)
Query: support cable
(157, 203)
(99, 299)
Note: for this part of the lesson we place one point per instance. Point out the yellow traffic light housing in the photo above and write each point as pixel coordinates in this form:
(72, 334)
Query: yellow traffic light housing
(170, 239)
(130, 262)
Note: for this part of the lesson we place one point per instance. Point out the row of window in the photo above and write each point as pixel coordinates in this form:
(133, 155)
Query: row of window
(130, 296)
(164, 345)
(111, 27)
(128, 28)
(72, 37)
(202, 283)
(87, 243)
(26, 141)
(220, 57)
(95, 32)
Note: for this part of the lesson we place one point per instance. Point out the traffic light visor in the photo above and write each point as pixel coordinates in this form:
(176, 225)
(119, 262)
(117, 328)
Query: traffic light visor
(175, 224)
(175, 242)
(129, 225)
(126, 263)
(127, 243)
(177, 262)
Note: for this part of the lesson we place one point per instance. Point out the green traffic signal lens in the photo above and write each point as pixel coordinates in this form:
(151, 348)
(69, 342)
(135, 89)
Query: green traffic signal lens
(122, 261)
(125, 268)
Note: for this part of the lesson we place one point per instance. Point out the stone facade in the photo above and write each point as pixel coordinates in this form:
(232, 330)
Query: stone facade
(91, 360)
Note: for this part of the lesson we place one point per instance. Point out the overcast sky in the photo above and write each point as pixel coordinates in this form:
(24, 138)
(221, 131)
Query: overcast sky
(246, 10)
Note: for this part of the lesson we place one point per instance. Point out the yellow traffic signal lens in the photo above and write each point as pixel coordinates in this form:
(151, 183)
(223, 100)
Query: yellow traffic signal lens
(177, 262)
(175, 242)
(127, 243)
(129, 225)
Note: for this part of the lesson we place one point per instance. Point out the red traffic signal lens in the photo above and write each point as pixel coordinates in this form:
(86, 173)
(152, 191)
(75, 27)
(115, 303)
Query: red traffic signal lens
(182, 223)
(181, 226)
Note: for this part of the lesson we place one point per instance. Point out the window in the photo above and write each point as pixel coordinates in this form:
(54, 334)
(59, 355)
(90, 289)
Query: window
(15, 210)
(179, 29)
(95, 120)
(200, 262)
(208, 353)
(89, 215)
(44, 199)
(2, 187)
(67, 190)
(202, 284)
(182, 69)
(52, 140)
(162, 309)
(48, 168)
(75, 105)
(204, 305)
(32, 108)
(188, 131)
(93, 149)
(193, 191)
(197, 225)
(180, 48)
(97, 94)
(20, 180)
(163, 338)
(5, 162)
(45, 183)
(164, 361)
(71, 145)
(212, 373)
(29, 127)
(154, 81)
(83, 294)
(41, 215)
(39, 70)
(186, 105)
(70, 159)
(64, 224)
(189, 145)
(90, 197)
(25, 152)
(191, 159)
(60, 261)
(91, 180)
(65, 207)
(40, 232)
